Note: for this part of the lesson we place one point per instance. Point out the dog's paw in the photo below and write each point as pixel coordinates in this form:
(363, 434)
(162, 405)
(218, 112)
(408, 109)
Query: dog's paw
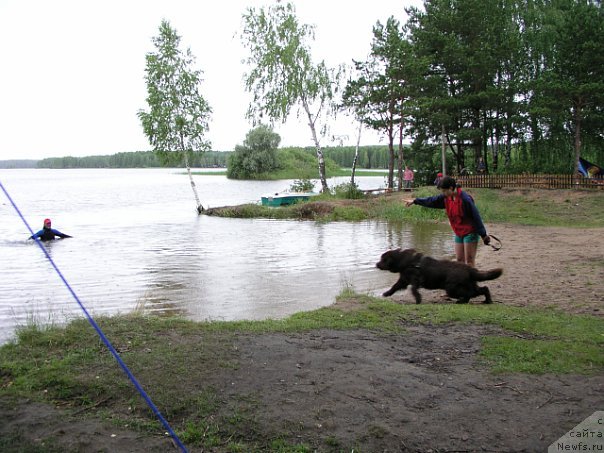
(387, 294)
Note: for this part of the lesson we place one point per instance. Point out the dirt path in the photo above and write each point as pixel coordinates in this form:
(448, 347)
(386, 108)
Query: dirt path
(550, 267)
(544, 267)
(424, 391)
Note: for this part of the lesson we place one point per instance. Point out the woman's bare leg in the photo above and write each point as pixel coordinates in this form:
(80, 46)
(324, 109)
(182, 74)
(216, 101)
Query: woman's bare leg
(460, 253)
(470, 249)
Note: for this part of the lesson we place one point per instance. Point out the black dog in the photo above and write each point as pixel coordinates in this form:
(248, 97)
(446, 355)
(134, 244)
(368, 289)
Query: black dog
(421, 271)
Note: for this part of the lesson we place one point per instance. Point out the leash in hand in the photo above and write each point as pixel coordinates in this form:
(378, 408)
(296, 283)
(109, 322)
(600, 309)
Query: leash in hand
(495, 247)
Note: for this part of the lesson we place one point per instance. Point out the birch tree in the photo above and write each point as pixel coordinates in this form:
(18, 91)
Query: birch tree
(178, 114)
(282, 74)
(381, 93)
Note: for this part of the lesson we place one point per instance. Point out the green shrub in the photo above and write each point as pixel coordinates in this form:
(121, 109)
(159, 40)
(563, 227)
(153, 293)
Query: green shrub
(256, 156)
(302, 185)
(348, 191)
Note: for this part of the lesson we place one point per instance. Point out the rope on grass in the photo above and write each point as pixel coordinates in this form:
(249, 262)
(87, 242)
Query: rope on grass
(96, 327)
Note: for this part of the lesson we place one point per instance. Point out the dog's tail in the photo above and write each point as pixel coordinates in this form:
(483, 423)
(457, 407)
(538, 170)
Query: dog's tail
(481, 276)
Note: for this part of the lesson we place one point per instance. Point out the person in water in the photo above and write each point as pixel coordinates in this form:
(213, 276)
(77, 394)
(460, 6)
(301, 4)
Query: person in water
(47, 233)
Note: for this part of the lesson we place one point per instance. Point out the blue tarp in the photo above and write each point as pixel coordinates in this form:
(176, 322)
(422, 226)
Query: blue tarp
(590, 170)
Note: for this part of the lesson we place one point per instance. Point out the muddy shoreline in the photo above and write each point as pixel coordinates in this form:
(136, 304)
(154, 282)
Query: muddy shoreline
(332, 390)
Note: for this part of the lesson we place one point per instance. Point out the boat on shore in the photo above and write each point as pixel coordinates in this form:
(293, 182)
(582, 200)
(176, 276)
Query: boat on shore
(286, 198)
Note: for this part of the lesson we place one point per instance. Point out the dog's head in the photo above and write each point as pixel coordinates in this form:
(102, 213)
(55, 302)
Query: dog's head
(398, 260)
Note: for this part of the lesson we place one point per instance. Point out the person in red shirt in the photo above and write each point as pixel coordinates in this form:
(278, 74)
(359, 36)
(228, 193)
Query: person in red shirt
(408, 177)
(439, 178)
(463, 216)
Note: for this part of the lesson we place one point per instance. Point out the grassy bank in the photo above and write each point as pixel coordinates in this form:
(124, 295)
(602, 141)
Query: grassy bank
(179, 361)
(569, 208)
(295, 174)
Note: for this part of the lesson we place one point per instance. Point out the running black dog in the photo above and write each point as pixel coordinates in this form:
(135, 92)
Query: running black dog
(420, 271)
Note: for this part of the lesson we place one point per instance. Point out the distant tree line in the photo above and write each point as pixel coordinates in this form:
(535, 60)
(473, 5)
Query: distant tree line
(425, 159)
(18, 163)
(137, 159)
(370, 157)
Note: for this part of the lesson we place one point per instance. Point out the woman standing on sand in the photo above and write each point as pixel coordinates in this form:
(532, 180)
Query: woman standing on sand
(463, 217)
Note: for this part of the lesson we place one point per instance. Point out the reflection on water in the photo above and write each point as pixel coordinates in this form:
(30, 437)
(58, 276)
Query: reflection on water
(139, 245)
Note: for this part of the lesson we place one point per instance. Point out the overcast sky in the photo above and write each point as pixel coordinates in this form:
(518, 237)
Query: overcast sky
(72, 77)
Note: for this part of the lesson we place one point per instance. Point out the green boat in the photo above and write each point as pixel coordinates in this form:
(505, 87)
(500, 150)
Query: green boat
(285, 199)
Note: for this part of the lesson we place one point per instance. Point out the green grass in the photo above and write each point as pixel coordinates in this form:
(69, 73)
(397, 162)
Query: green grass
(45, 358)
(541, 207)
(18, 443)
(542, 356)
(525, 207)
(69, 366)
(348, 172)
(568, 208)
(537, 208)
(540, 341)
(208, 173)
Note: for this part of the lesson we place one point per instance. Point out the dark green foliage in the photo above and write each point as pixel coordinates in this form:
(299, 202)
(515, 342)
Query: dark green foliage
(137, 159)
(257, 155)
(519, 83)
(569, 88)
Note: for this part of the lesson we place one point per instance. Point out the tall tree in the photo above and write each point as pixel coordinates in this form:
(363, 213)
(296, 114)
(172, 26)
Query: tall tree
(373, 102)
(461, 38)
(507, 112)
(282, 74)
(178, 114)
(381, 94)
(571, 86)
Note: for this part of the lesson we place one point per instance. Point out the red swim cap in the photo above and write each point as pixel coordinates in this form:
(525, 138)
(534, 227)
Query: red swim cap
(47, 221)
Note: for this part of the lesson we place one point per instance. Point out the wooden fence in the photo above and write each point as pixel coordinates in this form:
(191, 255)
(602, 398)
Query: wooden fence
(526, 181)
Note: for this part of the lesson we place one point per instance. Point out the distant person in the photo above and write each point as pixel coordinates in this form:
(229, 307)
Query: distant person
(439, 177)
(463, 217)
(408, 178)
(481, 168)
(47, 233)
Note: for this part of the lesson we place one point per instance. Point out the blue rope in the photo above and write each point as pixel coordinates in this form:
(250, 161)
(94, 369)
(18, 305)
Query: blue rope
(100, 332)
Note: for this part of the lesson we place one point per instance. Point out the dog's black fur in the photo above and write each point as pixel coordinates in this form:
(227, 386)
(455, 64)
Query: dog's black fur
(420, 271)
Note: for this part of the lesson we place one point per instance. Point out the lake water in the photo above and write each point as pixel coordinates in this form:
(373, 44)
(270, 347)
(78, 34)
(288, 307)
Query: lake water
(138, 244)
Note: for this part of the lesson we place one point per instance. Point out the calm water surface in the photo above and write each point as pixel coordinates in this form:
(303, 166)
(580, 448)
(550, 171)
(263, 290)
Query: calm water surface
(139, 245)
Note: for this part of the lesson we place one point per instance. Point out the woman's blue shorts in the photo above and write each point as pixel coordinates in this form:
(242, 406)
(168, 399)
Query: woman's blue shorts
(468, 238)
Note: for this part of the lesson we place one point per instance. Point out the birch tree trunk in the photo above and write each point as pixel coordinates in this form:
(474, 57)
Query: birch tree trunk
(320, 157)
(200, 208)
(356, 154)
